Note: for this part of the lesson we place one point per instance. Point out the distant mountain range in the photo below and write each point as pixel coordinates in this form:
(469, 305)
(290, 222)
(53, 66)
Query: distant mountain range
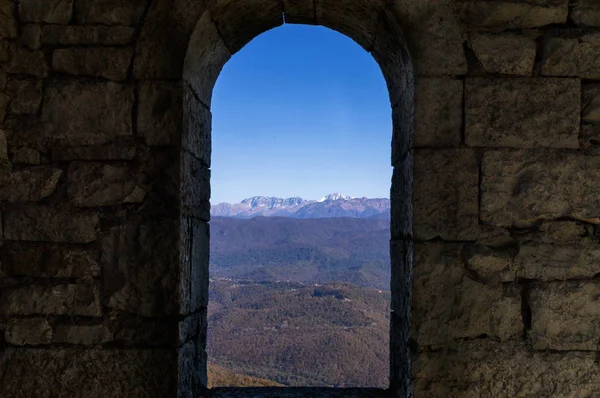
(333, 205)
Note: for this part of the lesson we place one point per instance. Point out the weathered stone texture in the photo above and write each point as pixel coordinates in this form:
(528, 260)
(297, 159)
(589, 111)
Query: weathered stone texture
(48, 11)
(100, 35)
(558, 262)
(87, 113)
(448, 304)
(586, 13)
(117, 151)
(505, 54)
(109, 12)
(97, 184)
(566, 316)
(26, 156)
(442, 207)
(25, 95)
(28, 62)
(481, 368)
(30, 185)
(501, 112)
(110, 63)
(438, 112)
(195, 188)
(47, 224)
(523, 186)
(160, 113)
(68, 372)
(30, 36)
(197, 121)
(512, 14)
(301, 12)
(8, 25)
(81, 334)
(42, 261)
(50, 300)
(573, 57)
(33, 331)
(140, 271)
(590, 112)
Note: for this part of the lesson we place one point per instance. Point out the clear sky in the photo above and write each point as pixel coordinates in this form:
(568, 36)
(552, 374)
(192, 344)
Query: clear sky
(300, 111)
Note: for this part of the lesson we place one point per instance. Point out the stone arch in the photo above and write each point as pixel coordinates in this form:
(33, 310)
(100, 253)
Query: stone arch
(229, 25)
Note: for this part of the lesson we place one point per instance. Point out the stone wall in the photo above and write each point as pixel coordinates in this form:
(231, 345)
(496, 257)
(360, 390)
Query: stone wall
(104, 189)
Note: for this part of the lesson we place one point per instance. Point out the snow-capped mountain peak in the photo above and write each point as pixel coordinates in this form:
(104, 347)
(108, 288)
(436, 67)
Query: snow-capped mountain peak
(334, 196)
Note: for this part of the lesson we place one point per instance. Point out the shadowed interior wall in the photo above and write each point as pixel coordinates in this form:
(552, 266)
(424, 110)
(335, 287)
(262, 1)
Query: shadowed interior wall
(104, 189)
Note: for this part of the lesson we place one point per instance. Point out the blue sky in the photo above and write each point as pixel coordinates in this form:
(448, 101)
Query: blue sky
(300, 111)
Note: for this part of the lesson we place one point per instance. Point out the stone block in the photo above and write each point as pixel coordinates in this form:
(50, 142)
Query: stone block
(109, 12)
(140, 268)
(97, 184)
(30, 185)
(34, 331)
(401, 195)
(590, 113)
(49, 11)
(3, 148)
(551, 262)
(449, 304)
(565, 316)
(197, 123)
(78, 114)
(586, 13)
(48, 261)
(97, 35)
(572, 57)
(4, 101)
(438, 112)
(8, 25)
(483, 368)
(491, 264)
(26, 156)
(47, 224)
(501, 113)
(26, 62)
(81, 334)
(70, 299)
(25, 95)
(199, 265)
(401, 253)
(31, 36)
(160, 113)
(89, 372)
(446, 194)
(300, 11)
(505, 54)
(195, 188)
(110, 63)
(520, 187)
(515, 15)
(116, 151)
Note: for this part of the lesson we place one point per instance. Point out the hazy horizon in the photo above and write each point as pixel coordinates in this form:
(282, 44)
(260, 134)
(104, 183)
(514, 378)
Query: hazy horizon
(301, 111)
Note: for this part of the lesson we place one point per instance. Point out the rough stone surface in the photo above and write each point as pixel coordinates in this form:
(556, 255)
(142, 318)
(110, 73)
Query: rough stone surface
(160, 113)
(80, 334)
(445, 209)
(482, 368)
(523, 186)
(109, 12)
(448, 304)
(33, 331)
(558, 262)
(590, 112)
(551, 120)
(26, 156)
(30, 36)
(195, 188)
(506, 54)
(26, 62)
(47, 224)
(25, 95)
(438, 112)
(101, 35)
(89, 372)
(95, 114)
(48, 261)
(50, 300)
(299, 11)
(566, 316)
(8, 26)
(508, 14)
(572, 57)
(110, 63)
(586, 13)
(197, 121)
(140, 268)
(49, 11)
(30, 185)
(97, 184)
(117, 151)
